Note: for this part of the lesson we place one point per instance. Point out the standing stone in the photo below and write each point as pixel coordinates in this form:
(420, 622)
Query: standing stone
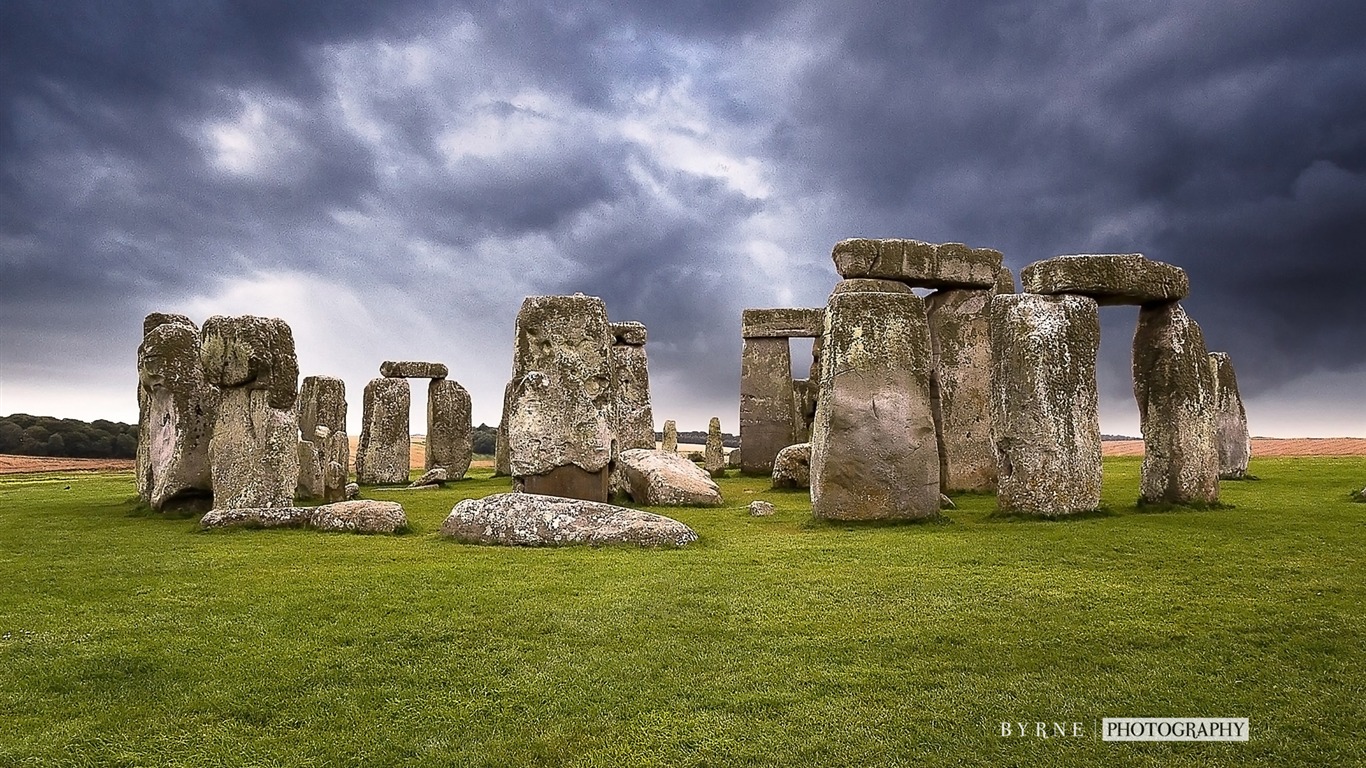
(714, 457)
(177, 408)
(873, 448)
(1174, 386)
(502, 459)
(322, 402)
(960, 337)
(311, 472)
(383, 453)
(1044, 417)
(254, 452)
(767, 406)
(635, 420)
(449, 428)
(337, 459)
(1230, 420)
(670, 439)
(560, 425)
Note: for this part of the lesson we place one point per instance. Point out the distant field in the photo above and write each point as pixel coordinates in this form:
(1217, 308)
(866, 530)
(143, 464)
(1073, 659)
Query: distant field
(128, 638)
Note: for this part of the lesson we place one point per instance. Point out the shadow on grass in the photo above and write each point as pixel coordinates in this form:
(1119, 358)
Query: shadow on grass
(1100, 513)
(1159, 508)
(821, 524)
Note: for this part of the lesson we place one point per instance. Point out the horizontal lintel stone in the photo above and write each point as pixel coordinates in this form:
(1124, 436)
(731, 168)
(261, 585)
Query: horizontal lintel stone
(406, 369)
(1109, 278)
(919, 264)
(785, 322)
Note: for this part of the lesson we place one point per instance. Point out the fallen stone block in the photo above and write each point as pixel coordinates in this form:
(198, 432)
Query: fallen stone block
(666, 479)
(534, 520)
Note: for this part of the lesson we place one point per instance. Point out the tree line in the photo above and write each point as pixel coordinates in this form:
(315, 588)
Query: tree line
(27, 435)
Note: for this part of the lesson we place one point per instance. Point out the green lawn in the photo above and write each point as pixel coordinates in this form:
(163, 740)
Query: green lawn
(131, 639)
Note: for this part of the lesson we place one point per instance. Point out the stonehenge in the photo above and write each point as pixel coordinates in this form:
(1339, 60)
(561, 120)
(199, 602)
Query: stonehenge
(669, 439)
(449, 428)
(1231, 436)
(714, 458)
(323, 466)
(177, 408)
(773, 408)
(382, 455)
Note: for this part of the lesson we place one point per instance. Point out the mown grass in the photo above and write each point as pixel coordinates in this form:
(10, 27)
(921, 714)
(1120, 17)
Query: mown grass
(132, 639)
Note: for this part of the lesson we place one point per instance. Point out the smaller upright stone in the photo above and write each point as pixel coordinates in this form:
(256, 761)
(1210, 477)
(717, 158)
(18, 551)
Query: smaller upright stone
(1230, 420)
(449, 427)
(670, 441)
(310, 484)
(407, 369)
(919, 264)
(714, 460)
(383, 454)
(322, 402)
(502, 455)
(1127, 278)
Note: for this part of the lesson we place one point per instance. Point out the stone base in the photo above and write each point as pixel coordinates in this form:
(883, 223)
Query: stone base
(568, 482)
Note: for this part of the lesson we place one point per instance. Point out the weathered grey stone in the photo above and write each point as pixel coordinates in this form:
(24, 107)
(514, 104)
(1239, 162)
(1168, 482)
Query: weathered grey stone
(449, 428)
(960, 338)
(629, 333)
(322, 403)
(502, 458)
(869, 285)
(1174, 387)
(781, 323)
(408, 369)
(1005, 281)
(352, 491)
(532, 520)
(733, 459)
(669, 441)
(714, 457)
(760, 508)
(767, 405)
(436, 476)
(311, 483)
(177, 409)
(873, 448)
(792, 467)
(804, 395)
(383, 455)
(251, 352)
(1127, 278)
(336, 462)
(1044, 418)
(343, 516)
(924, 265)
(562, 406)
(1231, 436)
(254, 451)
(665, 479)
(635, 418)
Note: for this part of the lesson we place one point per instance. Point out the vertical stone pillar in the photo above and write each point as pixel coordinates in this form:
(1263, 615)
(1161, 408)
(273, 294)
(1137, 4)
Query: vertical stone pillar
(714, 457)
(669, 440)
(1231, 436)
(1174, 387)
(383, 454)
(177, 408)
(960, 337)
(254, 452)
(322, 422)
(449, 424)
(1044, 417)
(502, 461)
(767, 406)
(873, 448)
(635, 420)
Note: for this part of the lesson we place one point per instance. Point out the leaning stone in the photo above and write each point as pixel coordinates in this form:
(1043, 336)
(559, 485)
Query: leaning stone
(322, 403)
(792, 467)
(781, 323)
(310, 484)
(629, 333)
(449, 428)
(759, 508)
(873, 448)
(1044, 418)
(714, 457)
(960, 335)
(767, 406)
(254, 452)
(560, 424)
(436, 476)
(383, 455)
(532, 520)
(665, 479)
(1174, 387)
(360, 517)
(669, 442)
(1127, 278)
(407, 369)
(251, 352)
(177, 409)
(924, 265)
(1231, 435)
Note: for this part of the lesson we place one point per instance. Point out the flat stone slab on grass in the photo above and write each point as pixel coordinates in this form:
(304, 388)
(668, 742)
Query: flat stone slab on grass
(408, 369)
(924, 265)
(361, 516)
(534, 520)
(666, 479)
(1109, 278)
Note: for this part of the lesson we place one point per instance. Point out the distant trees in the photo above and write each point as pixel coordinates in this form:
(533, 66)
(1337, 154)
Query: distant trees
(484, 439)
(28, 435)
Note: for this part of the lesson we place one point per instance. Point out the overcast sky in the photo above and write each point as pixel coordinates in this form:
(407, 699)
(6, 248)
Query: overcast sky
(392, 178)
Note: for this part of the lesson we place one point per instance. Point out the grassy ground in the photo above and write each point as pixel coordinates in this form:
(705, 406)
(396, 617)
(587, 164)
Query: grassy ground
(127, 638)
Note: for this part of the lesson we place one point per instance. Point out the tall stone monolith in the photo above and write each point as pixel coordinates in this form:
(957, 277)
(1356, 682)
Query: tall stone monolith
(560, 425)
(502, 461)
(714, 456)
(767, 405)
(254, 452)
(1044, 418)
(669, 439)
(873, 448)
(383, 455)
(177, 408)
(322, 414)
(1231, 435)
(635, 420)
(960, 337)
(1174, 387)
(449, 428)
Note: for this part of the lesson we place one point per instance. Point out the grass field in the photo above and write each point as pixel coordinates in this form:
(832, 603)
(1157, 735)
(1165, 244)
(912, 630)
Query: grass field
(131, 639)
